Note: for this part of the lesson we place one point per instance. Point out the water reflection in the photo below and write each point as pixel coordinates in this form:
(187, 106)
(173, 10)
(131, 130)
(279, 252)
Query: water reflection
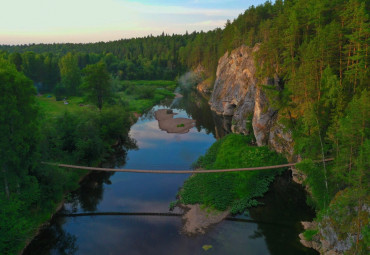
(284, 204)
(276, 222)
(53, 240)
(89, 197)
(197, 108)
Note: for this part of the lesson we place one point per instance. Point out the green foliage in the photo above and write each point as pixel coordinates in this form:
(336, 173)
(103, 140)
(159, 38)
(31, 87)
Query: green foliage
(173, 204)
(70, 75)
(19, 126)
(235, 190)
(14, 224)
(366, 238)
(19, 134)
(240, 205)
(180, 125)
(30, 191)
(97, 85)
(316, 181)
(310, 233)
(142, 95)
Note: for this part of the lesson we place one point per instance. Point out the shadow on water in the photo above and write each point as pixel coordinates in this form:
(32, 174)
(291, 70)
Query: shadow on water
(285, 203)
(53, 240)
(91, 194)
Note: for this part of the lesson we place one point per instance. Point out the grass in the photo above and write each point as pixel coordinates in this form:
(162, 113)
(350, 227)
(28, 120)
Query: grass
(236, 190)
(181, 125)
(52, 108)
(137, 102)
(170, 85)
(142, 95)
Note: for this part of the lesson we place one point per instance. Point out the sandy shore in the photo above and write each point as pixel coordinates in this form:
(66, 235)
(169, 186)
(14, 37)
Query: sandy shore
(168, 123)
(197, 219)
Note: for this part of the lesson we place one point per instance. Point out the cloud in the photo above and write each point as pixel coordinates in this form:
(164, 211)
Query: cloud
(148, 134)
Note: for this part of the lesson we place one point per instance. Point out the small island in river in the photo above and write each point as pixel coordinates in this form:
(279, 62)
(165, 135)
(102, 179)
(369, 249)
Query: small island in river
(168, 123)
(197, 219)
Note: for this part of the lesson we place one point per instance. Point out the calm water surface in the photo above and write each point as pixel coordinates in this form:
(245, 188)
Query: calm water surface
(272, 228)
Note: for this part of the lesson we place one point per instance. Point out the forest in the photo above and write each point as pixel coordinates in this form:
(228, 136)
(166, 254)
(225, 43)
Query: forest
(318, 49)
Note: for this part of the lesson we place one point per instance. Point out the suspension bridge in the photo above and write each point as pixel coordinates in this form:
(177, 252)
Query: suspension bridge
(155, 214)
(179, 171)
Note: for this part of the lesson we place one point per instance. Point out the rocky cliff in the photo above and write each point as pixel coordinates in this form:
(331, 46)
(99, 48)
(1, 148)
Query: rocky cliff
(238, 93)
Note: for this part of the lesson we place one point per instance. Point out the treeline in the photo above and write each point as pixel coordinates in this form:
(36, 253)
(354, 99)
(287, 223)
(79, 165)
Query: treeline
(146, 58)
(91, 131)
(31, 191)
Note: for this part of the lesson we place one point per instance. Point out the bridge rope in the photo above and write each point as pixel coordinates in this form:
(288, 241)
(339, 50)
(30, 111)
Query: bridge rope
(178, 171)
(163, 214)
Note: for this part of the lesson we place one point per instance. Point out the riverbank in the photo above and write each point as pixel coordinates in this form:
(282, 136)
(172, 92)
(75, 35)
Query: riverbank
(74, 137)
(235, 191)
(58, 207)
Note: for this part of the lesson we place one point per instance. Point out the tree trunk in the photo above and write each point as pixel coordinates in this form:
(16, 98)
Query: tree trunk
(323, 161)
(6, 185)
(340, 56)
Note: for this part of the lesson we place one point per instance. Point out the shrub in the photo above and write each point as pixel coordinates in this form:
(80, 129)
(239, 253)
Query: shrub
(234, 190)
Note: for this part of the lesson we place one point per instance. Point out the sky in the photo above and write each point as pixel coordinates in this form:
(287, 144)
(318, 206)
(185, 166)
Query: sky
(59, 21)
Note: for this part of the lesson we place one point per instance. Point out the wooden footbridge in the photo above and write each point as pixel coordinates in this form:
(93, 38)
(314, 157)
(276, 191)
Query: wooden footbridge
(179, 171)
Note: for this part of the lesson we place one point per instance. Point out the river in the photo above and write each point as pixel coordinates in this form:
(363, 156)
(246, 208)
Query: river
(271, 228)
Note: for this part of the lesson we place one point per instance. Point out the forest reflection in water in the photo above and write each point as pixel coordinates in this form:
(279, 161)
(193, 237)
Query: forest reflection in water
(270, 225)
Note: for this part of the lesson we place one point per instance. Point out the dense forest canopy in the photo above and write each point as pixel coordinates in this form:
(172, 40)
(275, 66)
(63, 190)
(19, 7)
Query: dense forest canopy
(318, 49)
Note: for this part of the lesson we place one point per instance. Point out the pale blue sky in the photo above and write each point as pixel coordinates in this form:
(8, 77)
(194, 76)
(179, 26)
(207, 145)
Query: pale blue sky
(49, 21)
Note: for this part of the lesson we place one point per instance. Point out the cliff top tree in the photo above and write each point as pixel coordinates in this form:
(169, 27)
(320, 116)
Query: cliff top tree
(97, 83)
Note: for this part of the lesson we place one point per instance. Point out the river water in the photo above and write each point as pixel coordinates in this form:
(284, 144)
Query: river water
(271, 228)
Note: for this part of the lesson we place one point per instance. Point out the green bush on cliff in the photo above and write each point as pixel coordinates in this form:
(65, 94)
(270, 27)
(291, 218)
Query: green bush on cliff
(234, 190)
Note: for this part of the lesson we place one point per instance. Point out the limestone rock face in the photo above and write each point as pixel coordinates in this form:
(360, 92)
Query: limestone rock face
(263, 118)
(237, 93)
(235, 83)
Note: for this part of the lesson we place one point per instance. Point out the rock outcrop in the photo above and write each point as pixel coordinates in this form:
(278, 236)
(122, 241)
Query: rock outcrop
(238, 93)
